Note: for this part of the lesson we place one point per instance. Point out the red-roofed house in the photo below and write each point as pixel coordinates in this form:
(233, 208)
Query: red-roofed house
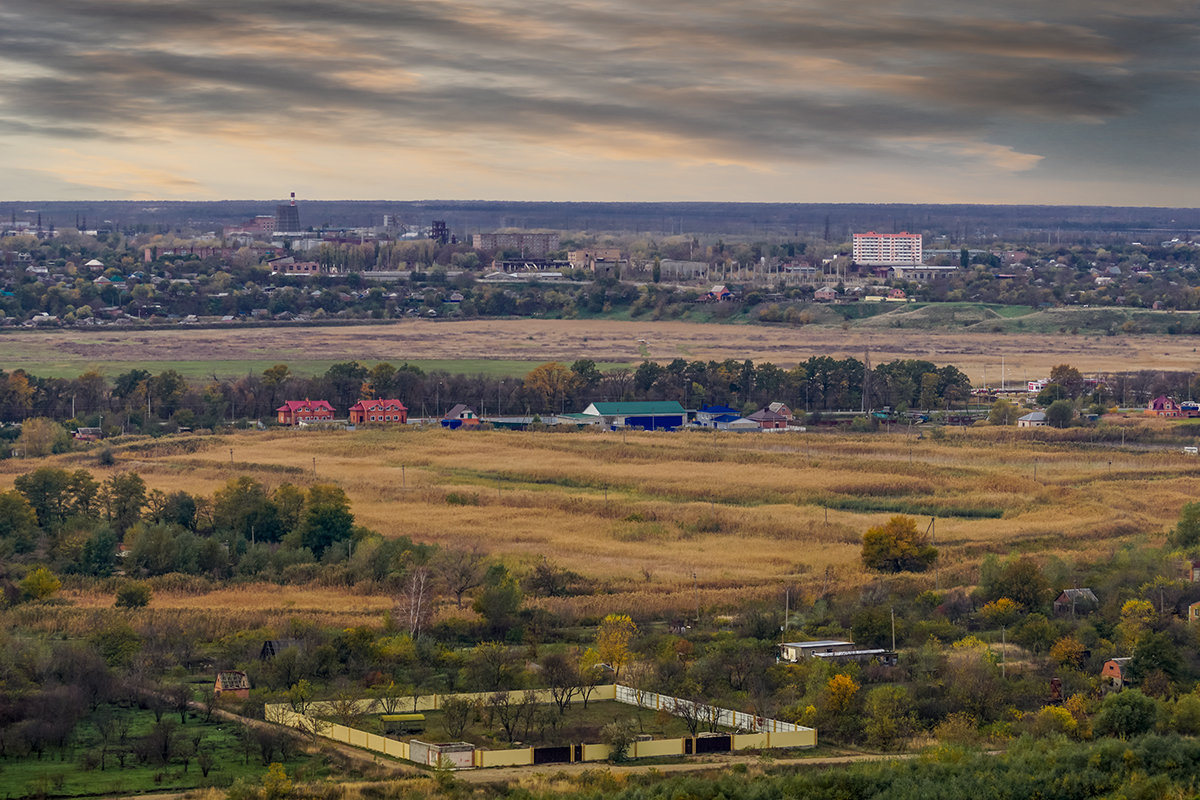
(378, 411)
(1163, 406)
(294, 412)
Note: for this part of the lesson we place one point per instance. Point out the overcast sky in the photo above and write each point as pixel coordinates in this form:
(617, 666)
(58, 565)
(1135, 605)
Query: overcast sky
(990, 101)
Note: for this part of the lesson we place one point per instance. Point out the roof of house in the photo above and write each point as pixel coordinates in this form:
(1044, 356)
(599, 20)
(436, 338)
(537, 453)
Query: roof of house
(233, 679)
(1080, 594)
(458, 410)
(818, 643)
(767, 415)
(378, 405)
(635, 409)
(1035, 416)
(780, 408)
(305, 405)
(1162, 401)
(718, 410)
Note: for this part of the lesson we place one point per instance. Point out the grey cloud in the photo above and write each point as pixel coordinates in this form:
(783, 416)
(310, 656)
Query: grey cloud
(755, 80)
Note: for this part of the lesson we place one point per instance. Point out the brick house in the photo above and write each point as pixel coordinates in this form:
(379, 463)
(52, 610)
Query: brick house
(295, 412)
(232, 682)
(378, 411)
(1163, 406)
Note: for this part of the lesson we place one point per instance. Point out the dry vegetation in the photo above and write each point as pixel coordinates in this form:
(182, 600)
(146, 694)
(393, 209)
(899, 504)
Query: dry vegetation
(1027, 355)
(643, 512)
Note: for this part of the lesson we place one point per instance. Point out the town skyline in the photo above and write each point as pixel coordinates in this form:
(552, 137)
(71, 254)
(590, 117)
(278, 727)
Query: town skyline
(1083, 103)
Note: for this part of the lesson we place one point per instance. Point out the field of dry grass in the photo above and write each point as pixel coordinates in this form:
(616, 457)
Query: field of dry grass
(1027, 355)
(643, 513)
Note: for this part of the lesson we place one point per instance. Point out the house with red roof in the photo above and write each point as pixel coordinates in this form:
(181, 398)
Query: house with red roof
(365, 411)
(297, 412)
(1163, 406)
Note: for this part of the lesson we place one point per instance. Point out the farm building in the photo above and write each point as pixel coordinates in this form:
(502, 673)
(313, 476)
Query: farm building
(460, 416)
(299, 412)
(798, 651)
(664, 415)
(232, 682)
(378, 411)
(1035, 419)
(1076, 601)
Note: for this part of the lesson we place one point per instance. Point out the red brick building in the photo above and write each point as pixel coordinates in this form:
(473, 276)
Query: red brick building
(293, 412)
(392, 411)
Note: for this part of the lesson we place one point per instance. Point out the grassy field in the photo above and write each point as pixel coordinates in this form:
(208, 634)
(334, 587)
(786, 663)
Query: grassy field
(643, 513)
(970, 336)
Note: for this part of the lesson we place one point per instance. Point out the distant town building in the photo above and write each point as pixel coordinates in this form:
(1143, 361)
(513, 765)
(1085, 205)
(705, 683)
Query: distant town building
(887, 249)
(439, 232)
(287, 217)
(530, 245)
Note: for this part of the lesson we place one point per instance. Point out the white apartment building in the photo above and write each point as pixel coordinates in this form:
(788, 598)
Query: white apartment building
(887, 249)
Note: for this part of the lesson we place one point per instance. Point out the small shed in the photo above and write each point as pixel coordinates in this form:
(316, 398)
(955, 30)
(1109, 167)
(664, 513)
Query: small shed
(798, 651)
(233, 682)
(1076, 601)
(1036, 419)
(1116, 670)
(455, 755)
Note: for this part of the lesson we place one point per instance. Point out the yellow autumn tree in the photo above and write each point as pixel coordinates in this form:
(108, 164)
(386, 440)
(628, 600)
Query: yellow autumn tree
(613, 639)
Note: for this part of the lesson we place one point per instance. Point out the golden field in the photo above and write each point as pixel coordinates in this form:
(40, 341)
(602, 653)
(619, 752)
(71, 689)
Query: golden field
(978, 354)
(642, 513)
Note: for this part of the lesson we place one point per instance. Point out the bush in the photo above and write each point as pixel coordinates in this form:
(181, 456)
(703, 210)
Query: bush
(133, 595)
(897, 547)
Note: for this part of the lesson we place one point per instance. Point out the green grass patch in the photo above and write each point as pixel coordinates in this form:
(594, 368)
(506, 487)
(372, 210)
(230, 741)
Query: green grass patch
(75, 770)
(876, 505)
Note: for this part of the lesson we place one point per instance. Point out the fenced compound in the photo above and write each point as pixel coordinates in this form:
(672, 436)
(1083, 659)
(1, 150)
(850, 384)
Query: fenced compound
(762, 733)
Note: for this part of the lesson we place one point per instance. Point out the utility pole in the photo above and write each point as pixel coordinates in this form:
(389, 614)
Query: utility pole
(1003, 654)
(893, 610)
(787, 608)
(696, 591)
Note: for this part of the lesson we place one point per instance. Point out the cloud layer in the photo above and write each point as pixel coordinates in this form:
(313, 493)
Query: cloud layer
(553, 96)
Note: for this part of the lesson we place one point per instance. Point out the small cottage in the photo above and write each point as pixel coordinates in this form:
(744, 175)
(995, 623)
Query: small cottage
(460, 416)
(1076, 601)
(1036, 419)
(232, 682)
(1116, 670)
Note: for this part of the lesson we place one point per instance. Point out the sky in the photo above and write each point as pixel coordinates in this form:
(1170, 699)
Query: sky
(927, 101)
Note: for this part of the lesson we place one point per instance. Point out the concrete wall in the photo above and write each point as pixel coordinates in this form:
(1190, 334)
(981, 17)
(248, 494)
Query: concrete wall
(283, 714)
(504, 758)
(656, 748)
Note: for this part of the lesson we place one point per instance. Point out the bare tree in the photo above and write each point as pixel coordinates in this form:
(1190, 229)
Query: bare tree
(456, 716)
(562, 676)
(461, 571)
(416, 602)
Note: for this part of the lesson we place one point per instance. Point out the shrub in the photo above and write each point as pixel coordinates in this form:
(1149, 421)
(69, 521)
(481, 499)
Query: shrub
(133, 595)
(896, 546)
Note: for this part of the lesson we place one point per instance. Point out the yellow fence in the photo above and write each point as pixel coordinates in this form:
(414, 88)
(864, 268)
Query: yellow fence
(310, 722)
